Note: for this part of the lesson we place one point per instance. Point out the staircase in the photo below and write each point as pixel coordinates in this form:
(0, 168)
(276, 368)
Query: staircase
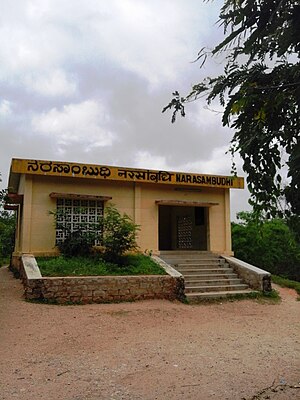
(206, 274)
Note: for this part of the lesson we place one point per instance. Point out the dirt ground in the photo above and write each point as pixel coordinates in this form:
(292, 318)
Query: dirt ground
(148, 350)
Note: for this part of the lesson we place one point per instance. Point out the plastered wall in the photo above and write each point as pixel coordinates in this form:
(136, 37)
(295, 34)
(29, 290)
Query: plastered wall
(37, 231)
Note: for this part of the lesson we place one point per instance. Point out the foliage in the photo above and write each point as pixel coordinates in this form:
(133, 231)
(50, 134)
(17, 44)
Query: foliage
(294, 224)
(77, 242)
(115, 232)
(260, 93)
(118, 234)
(268, 244)
(134, 264)
(7, 229)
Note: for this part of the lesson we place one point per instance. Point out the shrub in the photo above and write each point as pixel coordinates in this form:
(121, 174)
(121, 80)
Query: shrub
(7, 229)
(115, 232)
(77, 243)
(268, 244)
(118, 234)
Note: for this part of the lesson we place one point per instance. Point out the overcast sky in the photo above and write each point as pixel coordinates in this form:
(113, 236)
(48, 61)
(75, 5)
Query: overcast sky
(86, 81)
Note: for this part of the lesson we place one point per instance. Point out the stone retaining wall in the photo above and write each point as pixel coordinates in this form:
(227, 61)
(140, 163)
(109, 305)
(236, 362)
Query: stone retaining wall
(98, 289)
(256, 278)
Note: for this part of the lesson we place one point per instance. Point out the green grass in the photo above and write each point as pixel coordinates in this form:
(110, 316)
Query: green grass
(272, 297)
(137, 264)
(284, 282)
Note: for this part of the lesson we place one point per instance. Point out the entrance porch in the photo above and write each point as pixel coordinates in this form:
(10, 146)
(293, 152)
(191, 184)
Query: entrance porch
(183, 227)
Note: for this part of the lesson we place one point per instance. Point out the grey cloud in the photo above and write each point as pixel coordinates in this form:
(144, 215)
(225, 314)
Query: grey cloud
(133, 86)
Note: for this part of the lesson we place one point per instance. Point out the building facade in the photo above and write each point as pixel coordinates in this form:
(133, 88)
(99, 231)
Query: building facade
(175, 210)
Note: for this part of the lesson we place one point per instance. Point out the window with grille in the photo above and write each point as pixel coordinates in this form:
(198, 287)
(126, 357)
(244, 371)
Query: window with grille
(77, 215)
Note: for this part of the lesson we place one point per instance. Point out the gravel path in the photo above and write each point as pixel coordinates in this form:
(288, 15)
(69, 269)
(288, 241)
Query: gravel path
(148, 350)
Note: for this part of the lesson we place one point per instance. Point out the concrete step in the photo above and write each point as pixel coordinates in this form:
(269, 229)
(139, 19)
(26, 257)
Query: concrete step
(200, 265)
(197, 297)
(209, 276)
(195, 262)
(187, 252)
(206, 275)
(212, 261)
(211, 282)
(176, 260)
(215, 288)
(200, 271)
(184, 256)
(195, 257)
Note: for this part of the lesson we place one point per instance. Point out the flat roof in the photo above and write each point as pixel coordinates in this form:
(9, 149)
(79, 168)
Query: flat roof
(113, 173)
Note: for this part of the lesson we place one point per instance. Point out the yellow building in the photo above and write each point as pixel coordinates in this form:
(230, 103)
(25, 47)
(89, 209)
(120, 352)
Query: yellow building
(174, 210)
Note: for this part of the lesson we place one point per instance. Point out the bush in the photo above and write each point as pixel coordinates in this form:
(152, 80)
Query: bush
(76, 244)
(7, 230)
(268, 244)
(118, 234)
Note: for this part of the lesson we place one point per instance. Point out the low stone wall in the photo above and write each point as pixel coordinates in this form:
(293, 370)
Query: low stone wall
(98, 289)
(256, 278)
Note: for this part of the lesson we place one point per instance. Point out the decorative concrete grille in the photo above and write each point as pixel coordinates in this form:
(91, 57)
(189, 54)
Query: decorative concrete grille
(184, 232)
(77, 215)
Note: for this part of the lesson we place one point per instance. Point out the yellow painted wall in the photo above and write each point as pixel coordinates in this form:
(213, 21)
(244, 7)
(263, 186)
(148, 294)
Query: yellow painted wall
(219, 227)
(42, 233)
(136, 199)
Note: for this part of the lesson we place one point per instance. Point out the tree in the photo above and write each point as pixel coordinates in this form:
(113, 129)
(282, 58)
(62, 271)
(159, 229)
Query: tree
(260, 93)
(7, 228)
(268, 244)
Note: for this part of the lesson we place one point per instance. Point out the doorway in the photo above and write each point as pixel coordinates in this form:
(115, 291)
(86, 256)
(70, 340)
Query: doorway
(183, 228)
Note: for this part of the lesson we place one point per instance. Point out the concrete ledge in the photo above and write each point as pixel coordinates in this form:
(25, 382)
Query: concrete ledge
(98, 289)
(180, 283)
(30, 267)
(169, 270)
(256, 278)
